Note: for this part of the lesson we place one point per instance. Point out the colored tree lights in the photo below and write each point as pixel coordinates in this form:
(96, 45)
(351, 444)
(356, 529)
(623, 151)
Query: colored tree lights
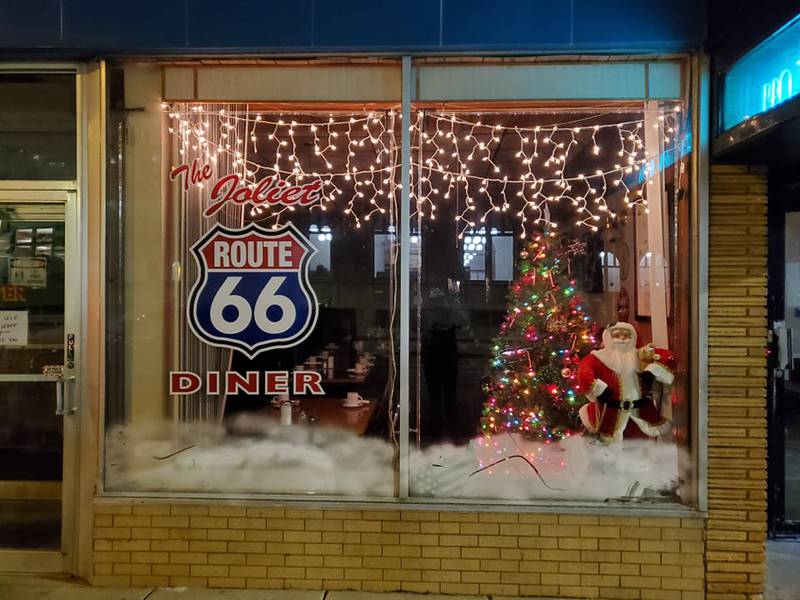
(533, 387)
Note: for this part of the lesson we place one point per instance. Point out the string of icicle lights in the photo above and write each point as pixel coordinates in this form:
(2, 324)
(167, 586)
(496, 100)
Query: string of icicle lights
(480, 164)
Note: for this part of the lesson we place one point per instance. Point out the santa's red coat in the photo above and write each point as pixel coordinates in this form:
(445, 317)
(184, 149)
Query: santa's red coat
(594, 377)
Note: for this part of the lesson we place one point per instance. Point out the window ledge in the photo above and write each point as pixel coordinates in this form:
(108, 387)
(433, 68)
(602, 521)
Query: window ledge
(612, 508)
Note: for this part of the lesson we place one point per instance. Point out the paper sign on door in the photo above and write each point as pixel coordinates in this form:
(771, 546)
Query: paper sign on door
(13, 327)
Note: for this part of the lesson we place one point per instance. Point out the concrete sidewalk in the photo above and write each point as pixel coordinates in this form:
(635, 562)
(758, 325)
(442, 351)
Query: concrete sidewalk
(31, 587)
(783, 559)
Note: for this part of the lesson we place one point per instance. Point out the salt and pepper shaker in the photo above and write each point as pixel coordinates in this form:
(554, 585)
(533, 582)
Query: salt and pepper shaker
(330, 365)
(286, 413)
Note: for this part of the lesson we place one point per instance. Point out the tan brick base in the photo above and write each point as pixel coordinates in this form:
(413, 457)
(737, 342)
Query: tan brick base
(737, 426)
(568, 556)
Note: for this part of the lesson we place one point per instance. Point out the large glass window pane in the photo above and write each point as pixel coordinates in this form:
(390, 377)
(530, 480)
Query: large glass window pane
(502, 256)
(37, 126)
(256, 341)
(31, 448)
(31, 286)
(32, 244)
(253, 299)
(513, 397)
(789, 357)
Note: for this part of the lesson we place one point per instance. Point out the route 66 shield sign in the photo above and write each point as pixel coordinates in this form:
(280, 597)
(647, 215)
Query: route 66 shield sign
(252, 291)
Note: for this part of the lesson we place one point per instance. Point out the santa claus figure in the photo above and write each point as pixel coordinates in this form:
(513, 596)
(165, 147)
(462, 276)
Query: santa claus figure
(618, 380)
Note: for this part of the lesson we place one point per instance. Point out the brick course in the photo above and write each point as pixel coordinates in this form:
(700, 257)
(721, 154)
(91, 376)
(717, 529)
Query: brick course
(570, 556)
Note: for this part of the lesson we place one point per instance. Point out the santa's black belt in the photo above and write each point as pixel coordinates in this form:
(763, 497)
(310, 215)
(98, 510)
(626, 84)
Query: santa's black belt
(623, 404)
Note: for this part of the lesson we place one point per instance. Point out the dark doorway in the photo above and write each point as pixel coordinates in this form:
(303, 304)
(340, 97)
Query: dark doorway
(783, 311)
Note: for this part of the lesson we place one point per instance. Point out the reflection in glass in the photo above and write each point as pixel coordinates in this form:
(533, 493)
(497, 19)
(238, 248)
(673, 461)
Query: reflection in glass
(32, 285)
(482, 194)
(496, 408)
(338, 443)
(37, 126)
(789, 358)
(31, 338)
(611, 268)
(31, 443)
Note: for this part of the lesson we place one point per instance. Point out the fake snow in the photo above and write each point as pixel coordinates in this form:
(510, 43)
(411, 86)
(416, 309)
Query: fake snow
(256, 455)
(510, 467)
(249, 455)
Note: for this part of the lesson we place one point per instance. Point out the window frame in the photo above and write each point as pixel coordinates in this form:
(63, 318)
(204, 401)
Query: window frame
(609, 268)
(694, 70)
(488, 255)
(315, 230)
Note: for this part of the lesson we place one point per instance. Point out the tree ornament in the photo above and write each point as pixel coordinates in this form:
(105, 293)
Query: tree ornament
(576, 247)
(566, 373)
(557, 324)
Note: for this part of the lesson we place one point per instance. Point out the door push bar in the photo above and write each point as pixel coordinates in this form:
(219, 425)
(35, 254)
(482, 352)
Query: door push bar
(56, 372)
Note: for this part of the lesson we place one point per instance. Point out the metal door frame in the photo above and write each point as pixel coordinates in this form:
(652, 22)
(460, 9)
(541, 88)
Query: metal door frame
(57, 192)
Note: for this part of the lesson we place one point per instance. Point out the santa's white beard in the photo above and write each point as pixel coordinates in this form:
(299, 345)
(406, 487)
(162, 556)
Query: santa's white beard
(623, 359)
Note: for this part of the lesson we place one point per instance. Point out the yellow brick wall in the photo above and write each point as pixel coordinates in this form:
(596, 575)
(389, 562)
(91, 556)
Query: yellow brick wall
(737, 391)
(569, 556)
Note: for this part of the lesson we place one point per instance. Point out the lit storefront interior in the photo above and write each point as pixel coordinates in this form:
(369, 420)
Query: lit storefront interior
(488, 179)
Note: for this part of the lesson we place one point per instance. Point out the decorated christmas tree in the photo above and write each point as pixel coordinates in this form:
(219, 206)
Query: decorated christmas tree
(533, 387)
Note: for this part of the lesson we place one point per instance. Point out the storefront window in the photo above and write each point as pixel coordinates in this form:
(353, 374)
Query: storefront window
(258, 338)
(515, 400)
(254, 304)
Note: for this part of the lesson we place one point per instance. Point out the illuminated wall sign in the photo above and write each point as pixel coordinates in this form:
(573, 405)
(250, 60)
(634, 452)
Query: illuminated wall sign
(764, 77)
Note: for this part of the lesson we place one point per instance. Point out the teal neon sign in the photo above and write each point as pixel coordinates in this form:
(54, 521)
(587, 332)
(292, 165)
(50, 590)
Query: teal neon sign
(763, 78)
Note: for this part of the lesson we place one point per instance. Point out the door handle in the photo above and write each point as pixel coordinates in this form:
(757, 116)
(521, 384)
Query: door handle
(61, 408)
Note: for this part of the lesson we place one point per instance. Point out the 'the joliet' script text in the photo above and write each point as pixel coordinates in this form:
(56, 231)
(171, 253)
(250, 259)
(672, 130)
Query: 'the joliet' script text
(269, 190)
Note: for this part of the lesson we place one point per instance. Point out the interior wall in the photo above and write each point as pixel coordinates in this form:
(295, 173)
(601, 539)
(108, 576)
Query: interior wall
(146, 360)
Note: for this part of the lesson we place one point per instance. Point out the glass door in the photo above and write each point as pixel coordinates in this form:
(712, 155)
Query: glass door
(38, 358)
(789, 365)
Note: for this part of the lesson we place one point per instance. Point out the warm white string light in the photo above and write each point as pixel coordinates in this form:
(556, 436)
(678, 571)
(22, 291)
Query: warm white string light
(455, 160)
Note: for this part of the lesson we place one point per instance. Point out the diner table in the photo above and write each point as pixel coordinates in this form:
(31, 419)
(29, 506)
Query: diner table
(359, 378)
(329, 412)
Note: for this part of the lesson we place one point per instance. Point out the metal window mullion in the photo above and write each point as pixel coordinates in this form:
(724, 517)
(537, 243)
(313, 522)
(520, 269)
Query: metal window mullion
(405, 275)
(700, 262)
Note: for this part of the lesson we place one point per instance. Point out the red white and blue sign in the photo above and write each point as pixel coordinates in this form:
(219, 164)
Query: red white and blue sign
(252, 292)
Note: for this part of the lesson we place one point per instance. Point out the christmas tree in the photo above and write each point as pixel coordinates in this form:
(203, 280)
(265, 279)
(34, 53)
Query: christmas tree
(533, 387)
